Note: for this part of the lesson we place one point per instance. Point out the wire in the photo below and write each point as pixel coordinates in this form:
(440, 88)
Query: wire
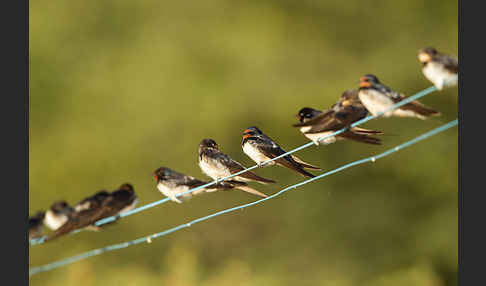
(156, 203)
(148, 239)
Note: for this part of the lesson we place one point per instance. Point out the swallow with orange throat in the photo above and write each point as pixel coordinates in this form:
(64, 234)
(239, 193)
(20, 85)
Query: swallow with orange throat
(377, 98)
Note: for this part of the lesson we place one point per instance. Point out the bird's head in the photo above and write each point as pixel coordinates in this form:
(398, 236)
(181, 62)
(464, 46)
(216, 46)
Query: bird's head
(162, 174)
(307, 113)
(208, 144)
(368, 81)
(251, 131)
(425, 55)
(60, 207)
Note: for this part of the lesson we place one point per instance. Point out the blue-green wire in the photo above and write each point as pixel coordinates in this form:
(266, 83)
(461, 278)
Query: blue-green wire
(420, 94)
(148, 239)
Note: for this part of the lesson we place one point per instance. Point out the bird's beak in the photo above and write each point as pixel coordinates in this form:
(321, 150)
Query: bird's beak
(364, 83)
(424, 57)
(246, 135)
(156, 177)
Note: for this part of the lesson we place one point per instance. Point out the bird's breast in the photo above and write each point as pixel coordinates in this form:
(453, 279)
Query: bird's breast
(213, 168)
(171, 190)
(130, 206)
(375, 101)
(316, 136)
(54, 221)
(254, 153)
(439, 75)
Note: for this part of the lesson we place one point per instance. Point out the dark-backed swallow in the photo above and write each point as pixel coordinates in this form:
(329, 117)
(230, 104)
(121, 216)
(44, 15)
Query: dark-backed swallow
(172, 183)
(59, 213)
(440, 69)
(36, 224)
(119, 201)
(124, 199)
(260, 148)
(315, 124)
(217, 165)
(92, 201)
(377, 97)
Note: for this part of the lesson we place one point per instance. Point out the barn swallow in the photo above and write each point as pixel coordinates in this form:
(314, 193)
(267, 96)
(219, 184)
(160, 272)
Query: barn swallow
(124, 198)
(316, 124)
(36, 224)
(118, 201)
(217, 165)
(440, 69)
(377, 97)
(59, 213)
(92, 201)
(260, 148)
(171, 183)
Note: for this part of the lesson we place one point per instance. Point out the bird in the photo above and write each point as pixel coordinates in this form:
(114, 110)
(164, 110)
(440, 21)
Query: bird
(92, 201)
(377, 97)
(260, 148)
(439, 68)
(218, 165)
(119, 201)
(36, 224)
(124, 199)
(316, 124)
(58, 214)
(172, 183)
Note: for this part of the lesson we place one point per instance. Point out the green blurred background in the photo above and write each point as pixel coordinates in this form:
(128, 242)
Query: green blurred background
(120, 88)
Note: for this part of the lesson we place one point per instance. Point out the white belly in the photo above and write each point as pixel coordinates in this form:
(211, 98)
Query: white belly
(216, 173)
(316, 136)
(375, 102)
(255, 155)
(130, 207)
(407, 113)
(54, 221)
(172, 192)
(439, 76)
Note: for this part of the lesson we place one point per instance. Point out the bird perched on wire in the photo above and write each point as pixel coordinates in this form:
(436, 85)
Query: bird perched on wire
(377, 97)
(316, 124)
(36, 224)
(172, 183)
(218, 165)
(440, 69)
(119, 201)
(92, 202)
(260, 148)
(58, 214)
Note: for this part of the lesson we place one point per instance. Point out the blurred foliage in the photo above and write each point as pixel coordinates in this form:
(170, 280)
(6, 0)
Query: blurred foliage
(120, 88)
